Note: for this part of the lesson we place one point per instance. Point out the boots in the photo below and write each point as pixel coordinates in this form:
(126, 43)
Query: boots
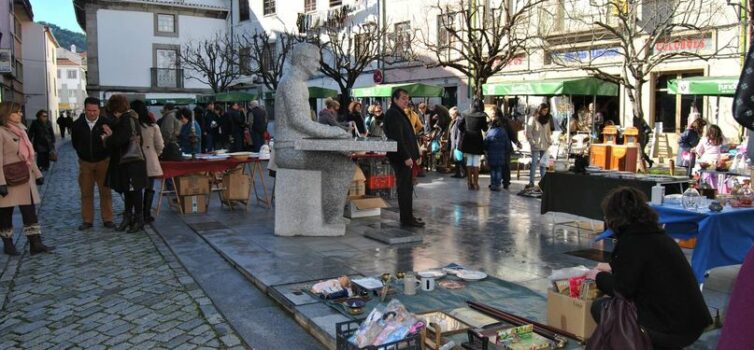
(473, 176)
(10, 248)
(148, 198)
(125, 223)
(470, 177)
(34, 235)
(476, 178)
(137, 223)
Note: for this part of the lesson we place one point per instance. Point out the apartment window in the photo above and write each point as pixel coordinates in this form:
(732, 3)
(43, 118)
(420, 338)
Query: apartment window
(243, 10)
(310, 5)
(334, 3)
(362, 44)
(71, 74)
(445, 27)
(269, 7)
(268, 56)
(60, 73)
(17, 30)
(165, 24)
(402, 40)
(245, 60)
(71, 93)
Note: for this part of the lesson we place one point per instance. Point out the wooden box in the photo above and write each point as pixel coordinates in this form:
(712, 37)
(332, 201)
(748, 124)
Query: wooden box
(190, 185)
(624, 158)
(193, 204)
(236, 186)
(599, 155)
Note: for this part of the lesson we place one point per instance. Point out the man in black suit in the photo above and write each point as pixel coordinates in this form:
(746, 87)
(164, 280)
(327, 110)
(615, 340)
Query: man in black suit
(398, 128)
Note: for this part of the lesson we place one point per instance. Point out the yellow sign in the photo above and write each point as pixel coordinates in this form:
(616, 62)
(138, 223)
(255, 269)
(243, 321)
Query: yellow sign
(64, 105)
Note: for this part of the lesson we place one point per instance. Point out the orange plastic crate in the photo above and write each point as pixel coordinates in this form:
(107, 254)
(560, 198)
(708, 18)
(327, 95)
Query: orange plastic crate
(380, 182)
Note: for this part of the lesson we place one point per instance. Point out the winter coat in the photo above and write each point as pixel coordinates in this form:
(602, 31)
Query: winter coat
(472, 141)
(259, 120)
(41, 136)
(87, 142)
(358, 120)
(539, 135)
(398, 128)
(23, 194)
(374, 126)
(170, 127)
(185, 138)
(152, 145)
(498, 146)
(130, 176)
(455, 132)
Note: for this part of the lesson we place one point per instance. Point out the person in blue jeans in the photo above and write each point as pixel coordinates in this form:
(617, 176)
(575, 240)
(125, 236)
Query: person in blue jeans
(539, 130)
(498, 146)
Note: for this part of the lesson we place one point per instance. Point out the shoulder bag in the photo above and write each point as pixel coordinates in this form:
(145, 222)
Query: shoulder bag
(619, 328)
(134, 152)
(16, 173)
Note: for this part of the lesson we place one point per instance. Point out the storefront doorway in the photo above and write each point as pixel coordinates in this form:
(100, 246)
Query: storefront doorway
(671, 109)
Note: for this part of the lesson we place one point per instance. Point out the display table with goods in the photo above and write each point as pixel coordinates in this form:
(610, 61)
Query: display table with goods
(204, 168)
(438, 307)
(724, 234)
(582, 194)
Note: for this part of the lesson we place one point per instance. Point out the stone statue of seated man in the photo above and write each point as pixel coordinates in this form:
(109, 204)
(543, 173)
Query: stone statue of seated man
(293, 122)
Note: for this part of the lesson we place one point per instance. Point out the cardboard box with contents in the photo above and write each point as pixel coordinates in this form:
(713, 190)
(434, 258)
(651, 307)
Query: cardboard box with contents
(570, 314)
(190, 185)
(193, 204)
(358, 184)
(364, 207)
(236, 186)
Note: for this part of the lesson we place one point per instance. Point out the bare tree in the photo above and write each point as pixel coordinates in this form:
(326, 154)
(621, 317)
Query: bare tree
(265, 55)
(639, 34)
(478, 41)
(213, 61)
(346, 50)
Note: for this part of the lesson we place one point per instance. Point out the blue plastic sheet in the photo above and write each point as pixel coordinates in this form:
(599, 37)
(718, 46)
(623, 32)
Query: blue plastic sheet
(722, 238)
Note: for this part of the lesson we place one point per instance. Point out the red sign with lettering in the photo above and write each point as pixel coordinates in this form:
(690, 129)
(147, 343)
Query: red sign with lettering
(377, 76)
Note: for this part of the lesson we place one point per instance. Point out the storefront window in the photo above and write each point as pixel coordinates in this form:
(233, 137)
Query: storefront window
(673, 110)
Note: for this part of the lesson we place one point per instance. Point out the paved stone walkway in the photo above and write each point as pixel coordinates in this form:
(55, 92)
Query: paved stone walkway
(101, 289)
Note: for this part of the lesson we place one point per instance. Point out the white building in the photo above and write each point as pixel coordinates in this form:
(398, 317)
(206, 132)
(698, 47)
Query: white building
(133, 45)
(13, 15)
(71, 81)
(40, 71)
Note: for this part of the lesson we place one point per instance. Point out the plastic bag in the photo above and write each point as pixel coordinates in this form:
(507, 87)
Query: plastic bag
(570, 272)
(385, 324)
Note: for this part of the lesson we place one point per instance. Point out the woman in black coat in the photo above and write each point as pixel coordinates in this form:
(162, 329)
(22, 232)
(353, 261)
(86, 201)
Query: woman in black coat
(42, 138)
(471, 142)
(128, 178)
(648, 268)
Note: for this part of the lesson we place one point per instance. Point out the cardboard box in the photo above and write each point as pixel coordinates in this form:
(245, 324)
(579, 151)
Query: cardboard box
(236, 186)
(358, 184)
(190, 185)
(365, 207)
(193, 204)
(570, 314)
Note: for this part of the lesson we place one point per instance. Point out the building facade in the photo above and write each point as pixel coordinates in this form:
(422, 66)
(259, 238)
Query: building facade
(40, 71)
(71, 81)
(134, 46)
(14, 14)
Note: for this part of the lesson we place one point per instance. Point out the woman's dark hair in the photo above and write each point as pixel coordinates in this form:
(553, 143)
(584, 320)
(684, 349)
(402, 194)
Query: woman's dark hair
(542, 106)
(715, 135)
(698, 125)
(141, 110)
(352, 107)
(496, 123)
(117, 104)
(184, 113)
(626, 206)
(6, 109)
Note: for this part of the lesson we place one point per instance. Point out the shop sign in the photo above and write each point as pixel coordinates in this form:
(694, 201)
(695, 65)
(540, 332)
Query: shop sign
(687, 44)
(6, 64)
(586, 55)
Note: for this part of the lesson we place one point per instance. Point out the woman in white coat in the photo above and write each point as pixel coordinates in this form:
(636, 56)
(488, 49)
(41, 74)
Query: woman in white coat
(152, 144)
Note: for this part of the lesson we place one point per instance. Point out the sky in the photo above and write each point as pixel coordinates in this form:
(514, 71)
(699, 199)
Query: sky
(58, 12)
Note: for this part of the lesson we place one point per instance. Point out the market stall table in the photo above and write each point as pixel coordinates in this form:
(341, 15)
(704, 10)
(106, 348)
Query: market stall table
(173, 169)
(722, 238)
(582, 195)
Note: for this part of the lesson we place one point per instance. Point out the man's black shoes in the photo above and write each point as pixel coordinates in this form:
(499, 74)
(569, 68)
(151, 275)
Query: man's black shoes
(109, 224)
(85, 226)
(412, 223)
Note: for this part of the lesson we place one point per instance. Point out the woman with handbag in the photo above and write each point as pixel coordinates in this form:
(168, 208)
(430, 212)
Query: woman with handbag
(152, 145)
(43, 139)
(19, 178)
(648, 270)
(127, 171)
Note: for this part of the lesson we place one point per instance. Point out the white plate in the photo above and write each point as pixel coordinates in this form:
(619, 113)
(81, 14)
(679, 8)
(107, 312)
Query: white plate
(470, 275)
(431, 274)
(247, 154)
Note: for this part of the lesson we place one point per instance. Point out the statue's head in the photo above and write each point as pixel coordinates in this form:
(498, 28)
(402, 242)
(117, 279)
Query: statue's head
(305, 57)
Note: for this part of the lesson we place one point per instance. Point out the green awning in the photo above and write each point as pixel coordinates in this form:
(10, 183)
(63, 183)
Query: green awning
(164, 101)
(587, 86)
(205, 98)
(234, 96)
(706, 86)
(386, 90)
(320, 92)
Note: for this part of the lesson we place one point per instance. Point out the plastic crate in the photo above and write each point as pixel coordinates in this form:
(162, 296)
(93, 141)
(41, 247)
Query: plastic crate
(375, 166)
(344, 330)
(387, 193)
(380, 182)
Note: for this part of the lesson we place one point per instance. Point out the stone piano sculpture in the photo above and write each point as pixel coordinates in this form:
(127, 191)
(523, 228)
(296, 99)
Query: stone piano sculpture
(314, 160)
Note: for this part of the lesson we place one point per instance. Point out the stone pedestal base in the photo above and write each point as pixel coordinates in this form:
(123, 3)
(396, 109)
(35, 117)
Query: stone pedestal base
(298, 205)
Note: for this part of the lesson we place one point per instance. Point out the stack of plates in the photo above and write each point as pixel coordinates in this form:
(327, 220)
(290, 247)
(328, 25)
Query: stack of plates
(471, 275)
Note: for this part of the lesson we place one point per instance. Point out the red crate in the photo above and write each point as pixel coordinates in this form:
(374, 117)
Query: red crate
(380, 182)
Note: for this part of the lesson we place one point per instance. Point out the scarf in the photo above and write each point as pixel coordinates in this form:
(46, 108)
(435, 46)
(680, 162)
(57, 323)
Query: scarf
(25, 149)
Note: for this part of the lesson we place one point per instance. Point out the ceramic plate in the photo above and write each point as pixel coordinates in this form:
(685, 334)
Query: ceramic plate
(470, 275)
(431, 274)
(248, 154)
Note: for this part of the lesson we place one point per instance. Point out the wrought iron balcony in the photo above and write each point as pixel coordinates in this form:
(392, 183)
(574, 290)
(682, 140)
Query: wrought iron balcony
(167, 78)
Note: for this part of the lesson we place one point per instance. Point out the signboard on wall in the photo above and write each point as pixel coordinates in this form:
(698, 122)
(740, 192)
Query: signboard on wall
(693, 44)
(6, 63)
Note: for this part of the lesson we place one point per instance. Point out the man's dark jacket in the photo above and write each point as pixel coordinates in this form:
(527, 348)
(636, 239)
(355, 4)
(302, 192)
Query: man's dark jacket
(398, 128)
(88, 144)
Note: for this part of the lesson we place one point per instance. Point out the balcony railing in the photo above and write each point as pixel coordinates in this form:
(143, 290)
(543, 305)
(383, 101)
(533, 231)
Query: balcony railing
(167, 78)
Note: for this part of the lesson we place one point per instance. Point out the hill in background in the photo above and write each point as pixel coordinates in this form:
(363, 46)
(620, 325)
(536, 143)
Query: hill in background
(66, 37)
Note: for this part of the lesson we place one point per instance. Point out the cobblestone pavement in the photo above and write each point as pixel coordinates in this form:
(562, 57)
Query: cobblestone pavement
(101, 289)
